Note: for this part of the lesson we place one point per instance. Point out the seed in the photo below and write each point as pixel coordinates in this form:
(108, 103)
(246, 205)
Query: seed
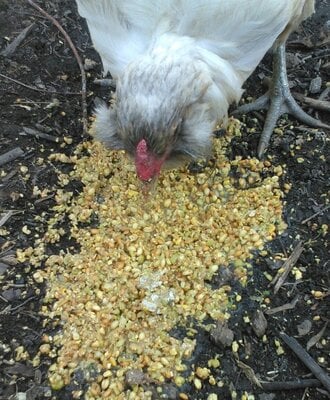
(212, 380)
(213, 363)
(179, 381)
(45, 348)
(235, 347)
(317, 294)
(197, 383)
(105, 384)
(37, 276)
(174, 240)
(202, 373)
(56, 382)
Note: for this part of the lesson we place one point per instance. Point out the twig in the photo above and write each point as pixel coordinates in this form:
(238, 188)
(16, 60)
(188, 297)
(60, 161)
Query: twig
(38, 134)
(22, 304)
(11, 155)
(106, 82)
(324, 94)
(10, 175)
(10, 309)
(3, 298)
(22, 84)
(249, 373)
(287, 306)
(324, 42)
(322, 105)
(38, 201)
(316, 338)
(38, 89)
(287, 267)
(315, 215)
(290, 385)
(75, 52)
(43, 128)
(5, 311)
(11, 48)
(302, 354)
(5, 252)
(6, 217)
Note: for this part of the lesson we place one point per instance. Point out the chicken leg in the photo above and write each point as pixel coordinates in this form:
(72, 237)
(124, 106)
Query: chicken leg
(278, 100)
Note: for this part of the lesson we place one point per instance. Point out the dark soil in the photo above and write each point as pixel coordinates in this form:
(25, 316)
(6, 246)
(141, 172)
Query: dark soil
(45, 62)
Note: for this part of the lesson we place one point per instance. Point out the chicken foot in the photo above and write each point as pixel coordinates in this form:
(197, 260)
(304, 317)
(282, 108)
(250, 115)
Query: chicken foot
(278, 100)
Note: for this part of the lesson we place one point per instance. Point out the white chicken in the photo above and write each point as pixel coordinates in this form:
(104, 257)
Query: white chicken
(179, 64)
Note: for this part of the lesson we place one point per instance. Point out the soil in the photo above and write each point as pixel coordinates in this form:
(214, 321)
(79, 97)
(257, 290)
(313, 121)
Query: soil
(52, 106)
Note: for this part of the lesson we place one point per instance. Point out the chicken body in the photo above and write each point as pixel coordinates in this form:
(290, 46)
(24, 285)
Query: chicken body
(178, 66)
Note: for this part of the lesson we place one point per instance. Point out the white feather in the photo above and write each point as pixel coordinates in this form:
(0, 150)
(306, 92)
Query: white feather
(240, 31)
(182, 60)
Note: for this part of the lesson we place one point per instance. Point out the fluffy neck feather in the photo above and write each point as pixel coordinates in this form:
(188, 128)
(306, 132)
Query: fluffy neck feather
(177, 73)
(171, 99)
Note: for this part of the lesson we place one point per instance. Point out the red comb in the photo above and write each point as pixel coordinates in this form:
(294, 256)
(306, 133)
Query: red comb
(147, 164)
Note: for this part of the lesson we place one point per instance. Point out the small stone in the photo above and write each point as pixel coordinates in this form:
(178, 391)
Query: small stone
(222, 335)
(305, 327)
(135, 377)
(3, 268)
(315, 85)
(170, 391)
(89, 64)
(259, 323)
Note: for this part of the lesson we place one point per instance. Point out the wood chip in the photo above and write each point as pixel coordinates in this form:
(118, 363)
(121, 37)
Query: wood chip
(5, 217)
(20, 369)
(11, 48)
(38, 134)
(287, 266)
(322, 105)
(11, 155)
(287, 306)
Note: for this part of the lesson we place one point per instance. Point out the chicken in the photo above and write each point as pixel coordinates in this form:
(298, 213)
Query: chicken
(178, 65)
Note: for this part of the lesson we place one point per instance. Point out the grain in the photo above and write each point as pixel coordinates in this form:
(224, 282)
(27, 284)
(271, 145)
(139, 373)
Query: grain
(141, 269)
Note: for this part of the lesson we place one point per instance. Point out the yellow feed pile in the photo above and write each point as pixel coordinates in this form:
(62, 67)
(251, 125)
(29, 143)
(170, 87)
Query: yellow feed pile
(145, 263)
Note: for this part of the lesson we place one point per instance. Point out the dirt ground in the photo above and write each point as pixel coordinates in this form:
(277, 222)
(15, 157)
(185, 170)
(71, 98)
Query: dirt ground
(40, 84)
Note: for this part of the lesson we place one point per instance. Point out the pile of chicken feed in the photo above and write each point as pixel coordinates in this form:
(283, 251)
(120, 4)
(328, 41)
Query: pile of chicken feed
(144, 265)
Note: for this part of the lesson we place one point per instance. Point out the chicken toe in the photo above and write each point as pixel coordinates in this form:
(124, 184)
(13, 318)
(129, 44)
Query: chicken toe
(278, 100)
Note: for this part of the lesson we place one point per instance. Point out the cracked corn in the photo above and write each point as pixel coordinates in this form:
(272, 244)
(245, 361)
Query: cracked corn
(143, 264)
